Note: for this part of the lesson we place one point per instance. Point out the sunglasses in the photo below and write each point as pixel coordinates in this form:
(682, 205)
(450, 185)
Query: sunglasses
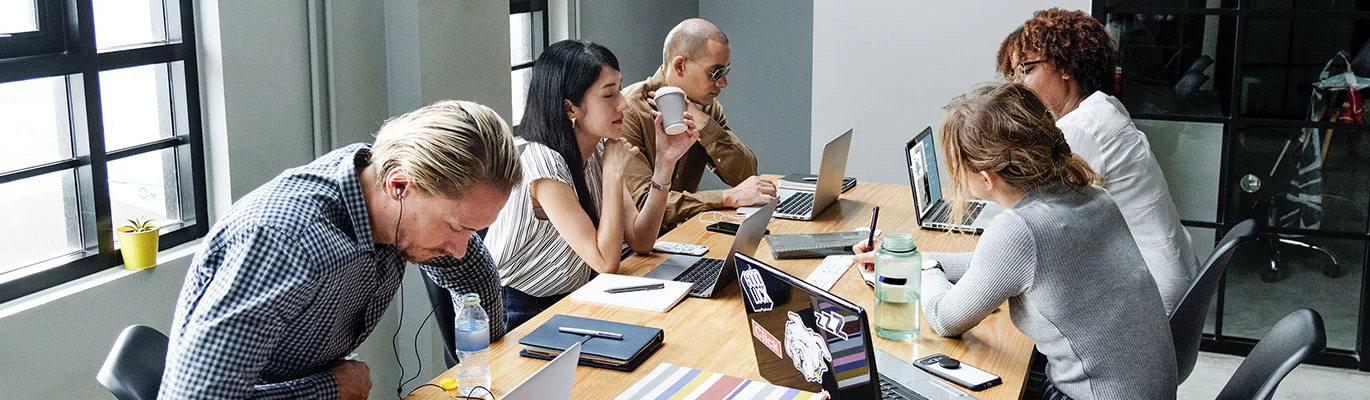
(718, 73)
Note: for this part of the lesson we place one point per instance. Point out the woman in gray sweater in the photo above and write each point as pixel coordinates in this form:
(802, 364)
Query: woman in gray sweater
(1061, 254)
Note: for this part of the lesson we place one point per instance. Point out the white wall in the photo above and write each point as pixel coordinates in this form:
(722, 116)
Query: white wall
(770, 90)
(886, 68)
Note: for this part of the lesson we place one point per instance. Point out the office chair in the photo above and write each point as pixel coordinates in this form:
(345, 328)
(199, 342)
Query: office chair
(444, 312)
(133, 369)
(1257, 191)
(1296, 337)
(1187, 319)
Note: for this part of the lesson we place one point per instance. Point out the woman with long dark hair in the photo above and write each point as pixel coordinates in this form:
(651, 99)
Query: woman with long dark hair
(571, 214)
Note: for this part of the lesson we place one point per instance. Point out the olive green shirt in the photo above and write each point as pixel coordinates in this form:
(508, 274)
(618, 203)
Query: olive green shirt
(718, 150)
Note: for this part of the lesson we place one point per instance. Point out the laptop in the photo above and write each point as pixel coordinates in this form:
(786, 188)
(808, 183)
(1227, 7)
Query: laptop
(808, 339)
(805, 205)
(707, 273)
(928, 207)
(553, 381)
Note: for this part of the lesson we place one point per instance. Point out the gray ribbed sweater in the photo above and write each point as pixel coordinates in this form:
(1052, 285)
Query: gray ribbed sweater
(1076, 285)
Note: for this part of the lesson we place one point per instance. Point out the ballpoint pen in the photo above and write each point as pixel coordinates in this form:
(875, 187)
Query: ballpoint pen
(637, 288)
(591, 333)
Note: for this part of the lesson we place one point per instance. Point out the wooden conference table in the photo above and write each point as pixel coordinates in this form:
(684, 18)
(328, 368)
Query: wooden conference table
(712, 334)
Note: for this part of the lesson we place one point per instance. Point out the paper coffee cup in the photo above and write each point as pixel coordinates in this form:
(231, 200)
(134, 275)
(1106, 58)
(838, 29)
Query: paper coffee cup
(670, 100)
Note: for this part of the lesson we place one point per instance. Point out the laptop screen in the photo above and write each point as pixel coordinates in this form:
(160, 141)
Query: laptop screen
(804, 337)
(923, 175)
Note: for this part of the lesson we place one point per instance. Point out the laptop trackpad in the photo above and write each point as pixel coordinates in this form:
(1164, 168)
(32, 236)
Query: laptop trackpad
(916, 379)
(672, 267)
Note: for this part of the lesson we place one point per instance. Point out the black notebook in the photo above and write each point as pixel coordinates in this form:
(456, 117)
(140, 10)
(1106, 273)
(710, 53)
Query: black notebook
(809, 182)
(639, 342)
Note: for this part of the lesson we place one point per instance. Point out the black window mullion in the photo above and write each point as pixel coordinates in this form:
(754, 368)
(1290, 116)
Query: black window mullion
(91, 118)
(25, 68)
(139, 56)
(190, 88)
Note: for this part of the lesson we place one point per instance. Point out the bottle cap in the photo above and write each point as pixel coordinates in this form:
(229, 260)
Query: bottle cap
(470, 299)
(448, 384)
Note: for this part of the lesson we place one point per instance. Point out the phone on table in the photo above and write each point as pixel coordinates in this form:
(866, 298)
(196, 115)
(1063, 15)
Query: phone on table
(957, 372)
(727, 228)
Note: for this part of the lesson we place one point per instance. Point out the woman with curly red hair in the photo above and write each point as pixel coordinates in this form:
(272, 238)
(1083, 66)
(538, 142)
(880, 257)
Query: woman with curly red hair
(1068, 60)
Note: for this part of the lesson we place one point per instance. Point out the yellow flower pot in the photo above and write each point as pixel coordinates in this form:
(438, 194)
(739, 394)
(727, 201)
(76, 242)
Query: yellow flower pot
(139, 249)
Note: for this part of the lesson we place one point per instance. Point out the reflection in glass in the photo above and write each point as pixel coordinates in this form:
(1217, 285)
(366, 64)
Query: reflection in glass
(1310, 179)
(1285, 56)
(143, 186)
(129, 22)
(136, 103)
(520, 38)
(18, 16)
(38, 219)
(33, 117)
(1167, 63)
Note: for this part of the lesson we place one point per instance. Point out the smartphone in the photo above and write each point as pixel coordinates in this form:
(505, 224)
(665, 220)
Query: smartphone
(957, 372)
(727, 228)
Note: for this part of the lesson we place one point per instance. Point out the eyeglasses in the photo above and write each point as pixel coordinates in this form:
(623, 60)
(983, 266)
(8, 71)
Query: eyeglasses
(1020, 72)
(718, 73)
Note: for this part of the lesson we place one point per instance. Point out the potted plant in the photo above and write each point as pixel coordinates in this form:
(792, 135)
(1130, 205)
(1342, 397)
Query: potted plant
(138, 240)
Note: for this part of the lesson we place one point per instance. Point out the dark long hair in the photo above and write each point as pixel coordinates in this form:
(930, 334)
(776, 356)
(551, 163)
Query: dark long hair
(564, 72)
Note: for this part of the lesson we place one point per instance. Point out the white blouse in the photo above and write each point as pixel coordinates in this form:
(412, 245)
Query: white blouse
(1101, 131)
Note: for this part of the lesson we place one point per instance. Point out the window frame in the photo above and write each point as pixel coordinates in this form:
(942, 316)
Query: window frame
(52, 35)
(77, 60)
(529, 7)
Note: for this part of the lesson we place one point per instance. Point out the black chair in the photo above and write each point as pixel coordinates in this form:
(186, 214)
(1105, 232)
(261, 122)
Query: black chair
(1187, 319)
(1296, 337)
(445, 314)
(133, 369)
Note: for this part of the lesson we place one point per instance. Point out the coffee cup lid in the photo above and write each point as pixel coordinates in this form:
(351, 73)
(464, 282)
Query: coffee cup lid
(668, 89)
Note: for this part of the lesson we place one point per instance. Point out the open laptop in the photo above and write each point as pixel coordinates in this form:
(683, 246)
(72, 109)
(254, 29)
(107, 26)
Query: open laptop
(805, 205)
(932, 212)
(806, 338)
(553, 381)
(707, 274)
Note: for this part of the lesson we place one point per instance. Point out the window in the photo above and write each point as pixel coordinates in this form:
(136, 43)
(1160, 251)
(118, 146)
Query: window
(99, 106)
(527, 39)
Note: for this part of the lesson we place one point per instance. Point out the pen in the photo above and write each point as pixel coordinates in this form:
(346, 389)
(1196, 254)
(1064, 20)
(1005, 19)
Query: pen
(875, 214)
(587, 332)
(627, 289)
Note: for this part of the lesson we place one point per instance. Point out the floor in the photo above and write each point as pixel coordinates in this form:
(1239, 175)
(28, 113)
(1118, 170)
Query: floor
(1306, 382)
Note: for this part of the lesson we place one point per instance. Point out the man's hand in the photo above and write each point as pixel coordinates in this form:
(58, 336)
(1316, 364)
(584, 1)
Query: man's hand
(752, 191)
(354, 380)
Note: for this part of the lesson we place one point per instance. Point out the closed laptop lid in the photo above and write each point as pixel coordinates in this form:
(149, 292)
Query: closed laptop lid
(921, 156)
(832, 169)
(804, 337)
(552, 382)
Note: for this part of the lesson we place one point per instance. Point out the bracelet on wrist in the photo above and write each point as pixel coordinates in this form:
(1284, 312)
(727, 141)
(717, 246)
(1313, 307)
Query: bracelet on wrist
(665, 188)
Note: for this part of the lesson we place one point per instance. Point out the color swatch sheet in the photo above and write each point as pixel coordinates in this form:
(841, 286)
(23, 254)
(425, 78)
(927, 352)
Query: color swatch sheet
(674, 382)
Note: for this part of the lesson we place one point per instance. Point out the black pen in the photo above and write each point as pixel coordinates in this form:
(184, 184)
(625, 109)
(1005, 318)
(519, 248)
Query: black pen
(627, 289)
(875, 214)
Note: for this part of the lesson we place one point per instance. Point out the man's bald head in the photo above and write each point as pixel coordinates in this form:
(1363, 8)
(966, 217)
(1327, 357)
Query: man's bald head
(691, 39)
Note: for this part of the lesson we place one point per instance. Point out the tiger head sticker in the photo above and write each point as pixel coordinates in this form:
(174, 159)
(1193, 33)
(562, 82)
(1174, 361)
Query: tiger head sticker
(806, 349)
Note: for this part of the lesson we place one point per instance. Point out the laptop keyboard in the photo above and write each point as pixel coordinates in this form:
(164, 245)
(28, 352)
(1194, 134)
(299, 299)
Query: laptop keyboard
(801, 203)
(890, 389)
(943, 213)
(702, 274)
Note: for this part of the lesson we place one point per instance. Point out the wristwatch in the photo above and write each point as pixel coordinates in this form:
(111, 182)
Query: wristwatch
(936, 265)
(665, 188)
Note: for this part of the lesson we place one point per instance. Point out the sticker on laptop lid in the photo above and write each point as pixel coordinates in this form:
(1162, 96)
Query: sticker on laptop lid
(755, 291)
(832, 322)
(806, 349)
(766, 338)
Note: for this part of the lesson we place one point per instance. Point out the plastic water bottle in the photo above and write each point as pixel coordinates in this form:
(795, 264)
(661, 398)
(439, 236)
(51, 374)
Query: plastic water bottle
(899, 279)
(473, 347)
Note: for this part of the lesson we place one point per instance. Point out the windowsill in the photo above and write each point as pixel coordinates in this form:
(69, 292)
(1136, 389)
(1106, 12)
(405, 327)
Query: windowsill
(93, 280)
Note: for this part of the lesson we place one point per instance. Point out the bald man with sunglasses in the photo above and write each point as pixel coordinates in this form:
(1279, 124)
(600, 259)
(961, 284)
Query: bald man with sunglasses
(695, 58)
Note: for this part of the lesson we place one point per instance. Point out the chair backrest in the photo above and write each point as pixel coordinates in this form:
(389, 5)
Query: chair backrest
(133, 369)
(1296, 337)
(1187, 319)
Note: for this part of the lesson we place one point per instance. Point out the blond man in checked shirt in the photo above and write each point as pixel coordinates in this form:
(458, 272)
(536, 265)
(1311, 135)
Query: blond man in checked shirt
(299, 272)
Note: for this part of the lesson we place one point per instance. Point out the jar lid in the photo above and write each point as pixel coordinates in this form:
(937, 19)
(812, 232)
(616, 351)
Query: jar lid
(898, 243)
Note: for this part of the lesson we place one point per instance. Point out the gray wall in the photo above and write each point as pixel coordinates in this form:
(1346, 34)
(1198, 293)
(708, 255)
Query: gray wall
(885, 68)
(634, 30)
(770, 89)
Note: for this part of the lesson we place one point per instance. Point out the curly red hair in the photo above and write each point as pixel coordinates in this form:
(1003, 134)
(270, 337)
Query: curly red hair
(1074, 42)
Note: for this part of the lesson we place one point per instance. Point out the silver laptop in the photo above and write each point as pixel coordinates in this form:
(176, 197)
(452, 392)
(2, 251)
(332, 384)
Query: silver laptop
(553, 381)
(928, 206)
(806, 338)
(805, 205)
(710, 274)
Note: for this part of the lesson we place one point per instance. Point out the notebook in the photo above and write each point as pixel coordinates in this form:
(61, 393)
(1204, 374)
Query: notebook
(670, 381)
(659, 300)
(809, 182)
(814, 245)
(639, 342)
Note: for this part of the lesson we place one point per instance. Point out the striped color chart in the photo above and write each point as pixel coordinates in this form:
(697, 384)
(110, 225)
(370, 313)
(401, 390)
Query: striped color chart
(674, 382)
